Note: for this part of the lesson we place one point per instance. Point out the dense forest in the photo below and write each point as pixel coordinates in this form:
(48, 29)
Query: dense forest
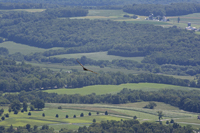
(158, 45)
(174, 9)
(125, 126)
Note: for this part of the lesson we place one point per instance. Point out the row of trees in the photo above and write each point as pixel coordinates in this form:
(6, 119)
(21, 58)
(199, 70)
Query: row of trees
(186, 100)
(16, 77)
(174, 9)
(111, 126)
(96, 2)
(19, 5)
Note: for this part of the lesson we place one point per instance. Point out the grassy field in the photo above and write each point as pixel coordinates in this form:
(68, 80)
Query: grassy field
(113, 89)
(116, 112)
(24, 49)
(99, 56)
(27, 10)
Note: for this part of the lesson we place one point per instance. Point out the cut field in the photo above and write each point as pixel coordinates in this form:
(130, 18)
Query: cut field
(99, 56)
(27, 10)
(24, 49)
(113, 89)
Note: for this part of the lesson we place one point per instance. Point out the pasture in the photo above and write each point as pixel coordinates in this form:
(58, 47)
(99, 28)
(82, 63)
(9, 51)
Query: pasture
(113, 89)
(24, 49)
(115, 112)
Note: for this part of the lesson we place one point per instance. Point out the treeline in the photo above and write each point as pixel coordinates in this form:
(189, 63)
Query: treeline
(185, 100)
(174, 9)
(109, 126)
(127, 64)
(19, 5)
(98, 2)
(16, 77)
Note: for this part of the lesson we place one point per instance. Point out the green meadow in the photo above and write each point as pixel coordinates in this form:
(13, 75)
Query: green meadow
(24, 49)
(113, 89)
(115, 112)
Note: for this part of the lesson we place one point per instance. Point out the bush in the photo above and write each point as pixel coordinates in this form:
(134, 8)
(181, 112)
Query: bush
(67, 116)
(172, 121)
(57, 116)
(59, 107)
(97, 113)
(81, 115)
(7, 115)
(106, 113)
(74, 116)
(15, 112)
(9, 110)
(89, 114)
(94, 120)
(134, 117)
(22, 111)
(29, 113)
(167, 122)
(43, 114)
(2, 118)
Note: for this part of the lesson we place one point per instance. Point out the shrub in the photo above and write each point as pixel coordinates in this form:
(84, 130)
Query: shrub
(81, 115)
(59, 107)
(74, 116)
(15, 112)
(43, 114)
(57, 116)
(106, 113)
(89, 114)
(7, 115)
(29, 113)
(94, 120)
(2, 118)
(67, 116)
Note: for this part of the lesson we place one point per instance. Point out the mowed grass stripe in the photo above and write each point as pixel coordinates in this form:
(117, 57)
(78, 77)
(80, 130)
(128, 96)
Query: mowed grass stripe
(99, 56)
(113, 89)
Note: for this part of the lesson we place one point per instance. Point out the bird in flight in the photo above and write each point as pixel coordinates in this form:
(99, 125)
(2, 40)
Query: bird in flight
(85, 69)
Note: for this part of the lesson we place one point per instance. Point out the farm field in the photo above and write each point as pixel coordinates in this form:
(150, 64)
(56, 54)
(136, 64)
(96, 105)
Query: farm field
(115, 112)
(28, 10)
(113, 89)
(193, 18)
(24, 49)
(99, 56)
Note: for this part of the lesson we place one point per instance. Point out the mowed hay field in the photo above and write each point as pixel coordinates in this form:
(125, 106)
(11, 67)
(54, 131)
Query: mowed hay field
(113, 89)
(24, 49)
